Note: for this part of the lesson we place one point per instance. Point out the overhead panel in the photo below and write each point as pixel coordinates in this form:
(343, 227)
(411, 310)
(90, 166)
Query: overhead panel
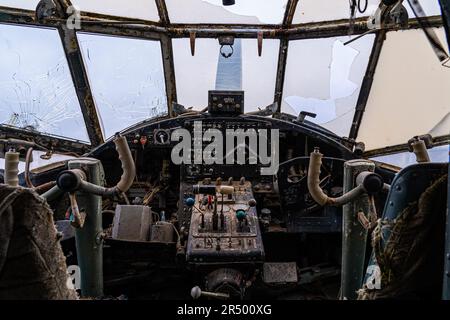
(214, 12)
(127, 79)
(410, 94)
(324, 76)
(36, 88)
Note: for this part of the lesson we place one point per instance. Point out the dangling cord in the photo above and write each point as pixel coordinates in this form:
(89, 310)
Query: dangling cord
(365, 6)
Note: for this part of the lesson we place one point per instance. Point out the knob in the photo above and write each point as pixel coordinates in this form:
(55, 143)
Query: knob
(252, 203)
(190, 202)
(68, 181)
(196, 293)
(241, 214)
(372, 182)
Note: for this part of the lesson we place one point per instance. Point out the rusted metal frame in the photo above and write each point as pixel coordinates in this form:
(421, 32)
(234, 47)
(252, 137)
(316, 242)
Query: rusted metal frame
(92, 23)
(162, 11)
(167, 56)
(437, 141)
(281, 71)
(367, 82)
(143, 28)
(87, 16)
(341, 28)
(55, 143)
(289, 13)
(283, 52)
(169, 71)
(216, 30)
(80, 79)
(119, 31)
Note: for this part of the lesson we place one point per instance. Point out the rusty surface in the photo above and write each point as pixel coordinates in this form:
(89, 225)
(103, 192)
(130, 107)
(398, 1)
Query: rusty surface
(366, 85)
(169, 70)
(59, 144)
(437, 141)
(281, 71)
(162, 11)
(289, 14)
(80, 79)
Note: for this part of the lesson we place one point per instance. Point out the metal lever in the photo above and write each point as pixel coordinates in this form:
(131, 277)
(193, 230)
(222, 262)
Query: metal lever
(196, 293)
(302, 116)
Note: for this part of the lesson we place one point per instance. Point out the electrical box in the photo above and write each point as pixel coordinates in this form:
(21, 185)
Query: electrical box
(132, 223)
(226, 102)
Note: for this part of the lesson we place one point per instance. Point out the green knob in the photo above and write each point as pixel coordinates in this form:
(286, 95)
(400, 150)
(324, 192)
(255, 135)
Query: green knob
(241, 214)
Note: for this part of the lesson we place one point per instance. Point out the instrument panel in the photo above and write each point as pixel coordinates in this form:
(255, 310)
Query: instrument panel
(224, 224)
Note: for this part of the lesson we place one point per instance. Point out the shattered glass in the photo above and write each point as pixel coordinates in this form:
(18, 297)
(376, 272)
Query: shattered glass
(196, 75)
(127, 79)
(325, 10)
(324, 76)
(36, 88)
(213, 11)
(410, 93)
(137, 9)
(403, 159)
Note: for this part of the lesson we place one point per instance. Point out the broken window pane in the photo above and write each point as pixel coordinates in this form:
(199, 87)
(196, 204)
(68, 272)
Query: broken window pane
(36, 88)
(38, 161)
(410, 94)
(137, 9)
(205, 71)
(325, 10)
(430, 7)
(20, 4)
(437, 154)
(213, 11)
(323, 76)
(126, 78)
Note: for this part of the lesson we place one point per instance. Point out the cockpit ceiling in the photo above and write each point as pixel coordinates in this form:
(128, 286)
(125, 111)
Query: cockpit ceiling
(138, 79)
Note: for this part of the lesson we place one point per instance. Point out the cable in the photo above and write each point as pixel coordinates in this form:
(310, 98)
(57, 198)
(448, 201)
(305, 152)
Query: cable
(365, 6)
(27, 168)
(356, 4)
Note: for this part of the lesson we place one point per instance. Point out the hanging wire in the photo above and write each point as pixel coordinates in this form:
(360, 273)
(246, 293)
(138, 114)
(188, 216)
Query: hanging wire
(356, 4)
(365, 6)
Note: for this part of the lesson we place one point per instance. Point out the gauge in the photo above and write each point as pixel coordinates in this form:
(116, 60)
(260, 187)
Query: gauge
(161, 136)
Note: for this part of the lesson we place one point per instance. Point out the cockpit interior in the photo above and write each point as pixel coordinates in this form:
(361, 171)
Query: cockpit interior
(224, 150)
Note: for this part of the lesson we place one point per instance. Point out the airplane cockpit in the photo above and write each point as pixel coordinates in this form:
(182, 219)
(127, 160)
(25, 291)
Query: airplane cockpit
(224, 150)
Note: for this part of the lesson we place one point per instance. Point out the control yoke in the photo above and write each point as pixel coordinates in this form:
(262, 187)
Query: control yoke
(76, 180)
(367, 182)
